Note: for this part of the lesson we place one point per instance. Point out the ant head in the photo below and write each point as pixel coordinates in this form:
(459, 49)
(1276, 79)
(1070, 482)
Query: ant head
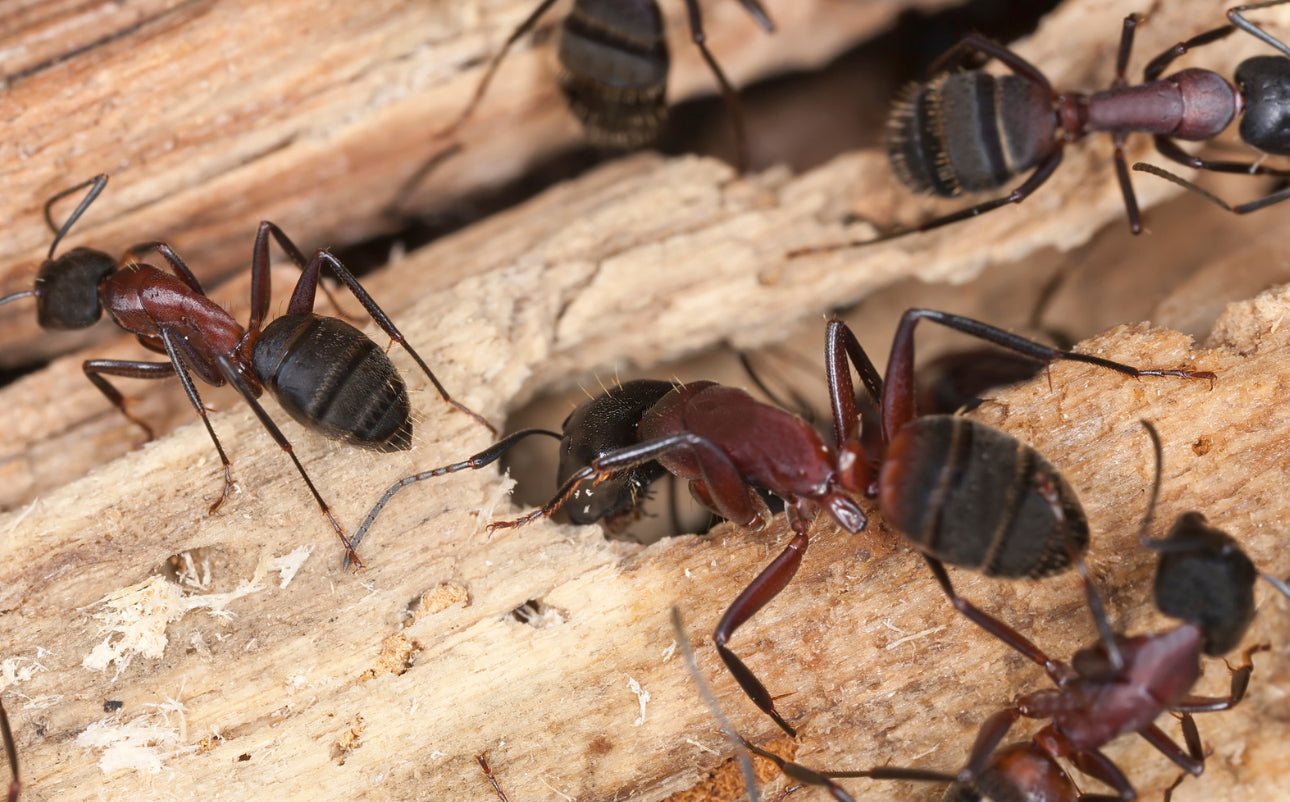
(1204, 577)
(1264, 82)
(67, 289)
(603, 424)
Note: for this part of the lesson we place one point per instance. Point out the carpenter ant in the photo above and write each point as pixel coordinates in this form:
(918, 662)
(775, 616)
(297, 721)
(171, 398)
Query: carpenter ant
(970, 131)
(994, 499)
(613, 69)
(325, 373)
(11, 750)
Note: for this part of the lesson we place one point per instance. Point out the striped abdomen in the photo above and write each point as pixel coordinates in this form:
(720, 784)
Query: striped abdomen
(970, 495)
(969, 132)
(334, 380)
(614, 63)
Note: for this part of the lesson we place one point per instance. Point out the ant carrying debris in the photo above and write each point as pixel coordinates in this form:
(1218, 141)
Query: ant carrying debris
(325, 373)
(969, 131)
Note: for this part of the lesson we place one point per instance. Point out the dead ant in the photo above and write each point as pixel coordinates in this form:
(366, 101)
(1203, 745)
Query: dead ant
(325, 373)
(970, 131)
(1263, 82)
(613, 69)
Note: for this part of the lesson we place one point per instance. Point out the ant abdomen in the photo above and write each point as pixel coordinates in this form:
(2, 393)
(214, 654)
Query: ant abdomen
(969, 132)
(1019, 772)
(970, 495)
(614, 64)
(332, 378)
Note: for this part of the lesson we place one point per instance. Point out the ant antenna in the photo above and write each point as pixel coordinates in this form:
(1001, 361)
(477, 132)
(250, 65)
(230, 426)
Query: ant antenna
(96, 184)
(705, 691)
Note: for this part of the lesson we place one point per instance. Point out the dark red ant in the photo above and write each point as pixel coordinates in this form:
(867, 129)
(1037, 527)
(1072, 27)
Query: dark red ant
(11, 750)
(613, 69)
(970, 131)
(325, 373)
(729, 445)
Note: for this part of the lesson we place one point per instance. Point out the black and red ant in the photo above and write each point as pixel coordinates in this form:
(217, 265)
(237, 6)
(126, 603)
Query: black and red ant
(325, 373)
(613, 69)
(970, 131)
(1204, 579)
(961, 491)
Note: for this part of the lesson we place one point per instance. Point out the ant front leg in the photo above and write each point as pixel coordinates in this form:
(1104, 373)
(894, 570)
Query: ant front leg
(1240, 683)
(1244, 208)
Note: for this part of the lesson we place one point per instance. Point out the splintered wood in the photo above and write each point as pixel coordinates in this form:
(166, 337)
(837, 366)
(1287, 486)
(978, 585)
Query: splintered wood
(237, 673)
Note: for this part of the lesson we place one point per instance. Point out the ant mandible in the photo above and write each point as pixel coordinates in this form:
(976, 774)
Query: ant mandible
(325, 373)
(970, 131)
(614, 63)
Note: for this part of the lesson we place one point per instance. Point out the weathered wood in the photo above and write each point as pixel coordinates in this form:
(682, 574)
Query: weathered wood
(387, 683)
(212, 116)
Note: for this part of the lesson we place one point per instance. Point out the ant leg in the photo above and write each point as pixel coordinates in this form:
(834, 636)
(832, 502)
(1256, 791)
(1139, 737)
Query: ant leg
(1041, 174)
(1191, 763)
(234, 378)
(260, 279)
(766, 586)
(11, 749)
(1157, 66)
(1240, 683)
(727, 488)
(1234, 16)
(486, 457)
(728, 93)
(482, 87)
(841, 344)
(974, 43)
(96, 184)
(992, 625)
(801, 774)
(898, 393)
(95, 369)
(1168, 148)
(191, 390)
(497, 788)
(1126, 185)
(1244, 208)
(302, 300)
